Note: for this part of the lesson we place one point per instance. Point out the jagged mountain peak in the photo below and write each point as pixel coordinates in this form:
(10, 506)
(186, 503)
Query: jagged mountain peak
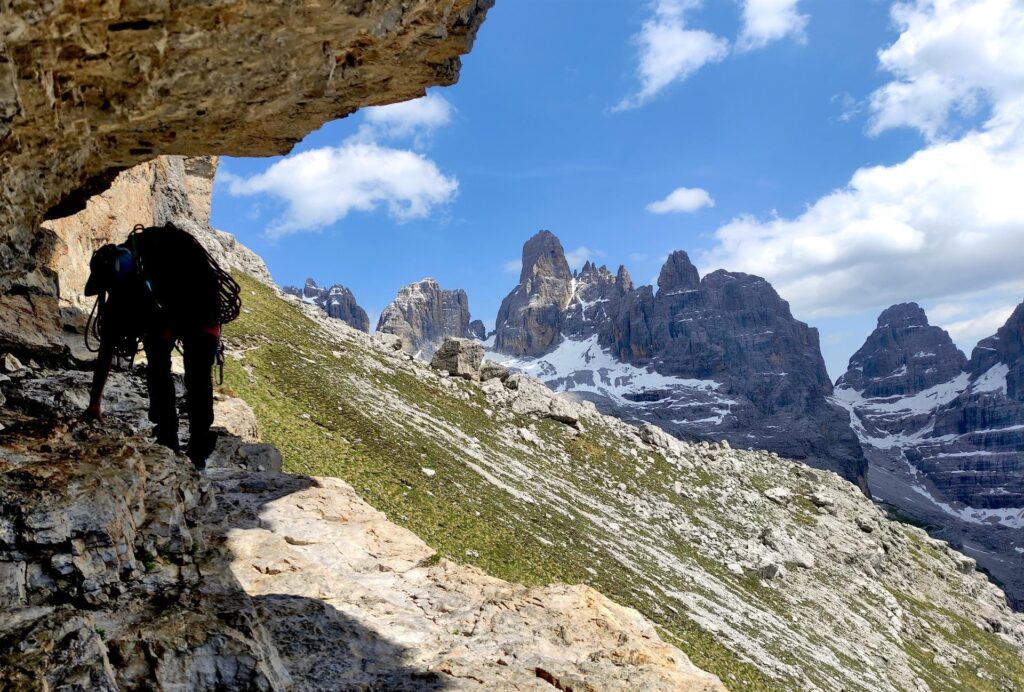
(544, 256)
(724, 355)
(337, 301)
(423, 314)
(944, 435)
(678, 274)
(903, 315)
(1005, 347)
(623, 280)
(904, 355)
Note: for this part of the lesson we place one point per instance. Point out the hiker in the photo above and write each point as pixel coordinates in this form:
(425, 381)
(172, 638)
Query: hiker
(161, 287)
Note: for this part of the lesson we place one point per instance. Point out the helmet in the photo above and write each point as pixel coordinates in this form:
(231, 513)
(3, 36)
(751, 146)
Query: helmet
(108, 266)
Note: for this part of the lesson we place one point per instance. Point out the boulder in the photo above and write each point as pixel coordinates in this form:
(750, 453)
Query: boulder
(459, 357)
(491, 370)
(388, 342)
(237, 418)
(10, 364)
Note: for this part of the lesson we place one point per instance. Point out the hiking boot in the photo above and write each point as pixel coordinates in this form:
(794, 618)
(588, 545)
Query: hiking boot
(200, 446)
(168, 439)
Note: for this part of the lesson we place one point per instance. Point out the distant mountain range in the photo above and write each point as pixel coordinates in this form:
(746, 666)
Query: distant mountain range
(914, 422)
(944, 434)
(715, 358)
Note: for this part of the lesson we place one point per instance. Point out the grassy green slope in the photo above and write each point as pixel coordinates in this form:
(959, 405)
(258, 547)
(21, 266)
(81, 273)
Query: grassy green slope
(335, 406)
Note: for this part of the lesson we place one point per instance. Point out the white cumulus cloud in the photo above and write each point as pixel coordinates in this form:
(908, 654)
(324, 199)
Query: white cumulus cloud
(415, 119)
(669, 51)
(324, 185)
(973, 329)
(682, 199)
(765, 21)
(948, 222)
(951, 57)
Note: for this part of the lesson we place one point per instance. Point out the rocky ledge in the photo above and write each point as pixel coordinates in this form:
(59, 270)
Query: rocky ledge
(122, 568)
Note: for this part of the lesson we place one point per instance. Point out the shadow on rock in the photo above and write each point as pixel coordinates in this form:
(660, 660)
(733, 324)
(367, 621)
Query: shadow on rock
(115, 571)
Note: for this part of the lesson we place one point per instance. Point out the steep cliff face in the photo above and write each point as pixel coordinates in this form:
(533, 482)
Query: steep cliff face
(718, 357)
(945, 435)
(337, 301)
(423, 314)
(92, 88)
(530, 318)
(904, 355)
(168, 189)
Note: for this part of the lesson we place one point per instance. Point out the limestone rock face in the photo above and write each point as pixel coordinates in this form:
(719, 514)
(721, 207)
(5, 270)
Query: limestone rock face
(596, 295)
(91, 89)
(904, 355)
(107, 577)
(459, 357)
(477, 330)
(945, 435)
(530, 317)
(718, 357)
(168, 189)
(328, 573)
(424, 315)
(337, 301)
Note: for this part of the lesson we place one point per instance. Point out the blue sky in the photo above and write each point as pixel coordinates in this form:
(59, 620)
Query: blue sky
(854, 152)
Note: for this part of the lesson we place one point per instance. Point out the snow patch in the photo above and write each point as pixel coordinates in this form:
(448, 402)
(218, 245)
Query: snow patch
(993, 380)
(584, 366)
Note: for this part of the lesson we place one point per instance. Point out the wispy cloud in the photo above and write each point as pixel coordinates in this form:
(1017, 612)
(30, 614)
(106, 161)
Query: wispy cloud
(946, 222)
(514, 266)
(973, 329)
(416, 120)
(951, 57)
(578, 257)
(322, 186)
(668, 51)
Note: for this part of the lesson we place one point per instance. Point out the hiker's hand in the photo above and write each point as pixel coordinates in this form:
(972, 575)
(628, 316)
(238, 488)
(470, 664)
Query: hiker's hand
(92, 413)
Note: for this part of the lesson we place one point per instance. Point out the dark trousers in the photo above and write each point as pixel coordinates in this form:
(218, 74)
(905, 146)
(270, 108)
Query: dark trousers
(200, 349)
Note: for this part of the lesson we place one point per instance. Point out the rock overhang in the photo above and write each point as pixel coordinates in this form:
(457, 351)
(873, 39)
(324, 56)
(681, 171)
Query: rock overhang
(88, 89)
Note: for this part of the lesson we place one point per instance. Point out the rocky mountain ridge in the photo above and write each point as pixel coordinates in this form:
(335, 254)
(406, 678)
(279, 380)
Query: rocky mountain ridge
(423, 314)
(945, 434)
(337, 301)
(509, 475)
(718, 357)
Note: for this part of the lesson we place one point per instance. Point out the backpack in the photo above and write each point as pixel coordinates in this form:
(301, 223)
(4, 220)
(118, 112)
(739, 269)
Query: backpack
(126, 343)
